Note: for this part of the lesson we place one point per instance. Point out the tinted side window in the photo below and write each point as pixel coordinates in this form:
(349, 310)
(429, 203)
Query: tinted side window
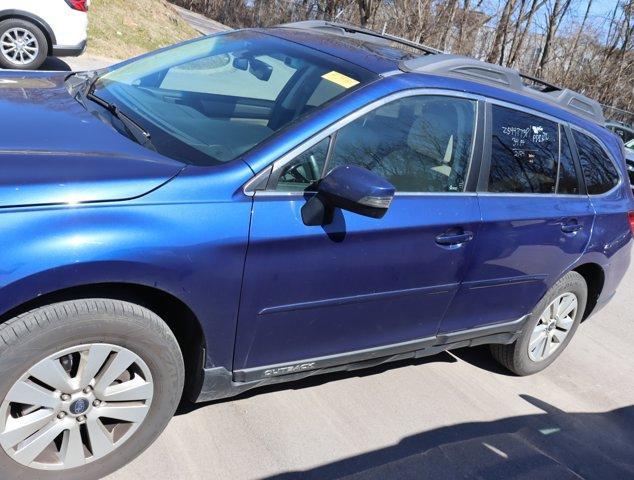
(419, 144)
(568, 182)
(524, 152)
(598, 170)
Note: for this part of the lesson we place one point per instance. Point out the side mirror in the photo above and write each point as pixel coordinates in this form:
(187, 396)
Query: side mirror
(350, 188)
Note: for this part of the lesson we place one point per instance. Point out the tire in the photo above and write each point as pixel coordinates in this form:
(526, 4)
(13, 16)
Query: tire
(38, 41)
(516, 356)
(123, 329)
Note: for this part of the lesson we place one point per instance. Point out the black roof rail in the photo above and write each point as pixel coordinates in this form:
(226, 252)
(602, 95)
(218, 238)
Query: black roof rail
(439, 63)
(547, 86)
(508, 78)
(346, 29)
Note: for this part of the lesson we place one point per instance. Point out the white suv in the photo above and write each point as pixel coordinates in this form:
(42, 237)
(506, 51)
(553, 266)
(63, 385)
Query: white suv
(31, 30)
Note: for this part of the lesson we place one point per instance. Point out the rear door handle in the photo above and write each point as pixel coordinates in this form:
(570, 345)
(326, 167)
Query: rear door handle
(454, 238)
(571, 227)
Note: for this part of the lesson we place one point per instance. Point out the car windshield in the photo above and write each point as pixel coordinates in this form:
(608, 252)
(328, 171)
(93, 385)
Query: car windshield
(208, 101)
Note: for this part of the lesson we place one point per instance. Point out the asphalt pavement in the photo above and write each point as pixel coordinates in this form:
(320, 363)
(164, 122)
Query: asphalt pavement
(76, 64)
(454, 415)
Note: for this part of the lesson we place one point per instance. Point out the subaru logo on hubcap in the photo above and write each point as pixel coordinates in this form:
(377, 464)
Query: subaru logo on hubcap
(79, 406)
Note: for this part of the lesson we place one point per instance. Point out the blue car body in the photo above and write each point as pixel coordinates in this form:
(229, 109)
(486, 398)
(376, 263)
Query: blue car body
(268, 298)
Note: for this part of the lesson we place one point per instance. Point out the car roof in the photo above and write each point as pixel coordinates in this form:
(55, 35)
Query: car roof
(385, 54)
(375, 57)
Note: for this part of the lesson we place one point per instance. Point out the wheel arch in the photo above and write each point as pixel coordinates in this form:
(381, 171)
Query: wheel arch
(594, 275)
(34, 19)
(180, 318)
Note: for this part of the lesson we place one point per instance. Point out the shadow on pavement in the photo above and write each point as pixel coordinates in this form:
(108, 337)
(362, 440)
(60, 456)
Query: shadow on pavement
(55, 64)
(481, 357)
(477, 356)
(553, 445)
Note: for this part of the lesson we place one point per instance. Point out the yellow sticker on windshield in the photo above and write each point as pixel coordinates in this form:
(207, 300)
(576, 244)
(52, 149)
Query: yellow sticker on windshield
(340, 79)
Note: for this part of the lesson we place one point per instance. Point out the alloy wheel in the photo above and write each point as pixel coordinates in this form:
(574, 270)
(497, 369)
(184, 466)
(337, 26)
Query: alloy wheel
(19, 46)
(75, 406)
(553, 327)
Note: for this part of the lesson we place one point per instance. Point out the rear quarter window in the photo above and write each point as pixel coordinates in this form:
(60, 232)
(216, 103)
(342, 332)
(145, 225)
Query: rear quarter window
(599, 172)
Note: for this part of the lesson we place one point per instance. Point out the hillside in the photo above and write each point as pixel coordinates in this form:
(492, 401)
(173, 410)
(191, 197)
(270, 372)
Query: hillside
(123, 28)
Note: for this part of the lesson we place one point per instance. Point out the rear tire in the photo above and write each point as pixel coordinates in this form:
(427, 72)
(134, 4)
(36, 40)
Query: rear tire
(115, 333)
(23, 45)
(544, 338)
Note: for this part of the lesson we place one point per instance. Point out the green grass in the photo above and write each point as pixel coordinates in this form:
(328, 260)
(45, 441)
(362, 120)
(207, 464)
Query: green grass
(124, 28)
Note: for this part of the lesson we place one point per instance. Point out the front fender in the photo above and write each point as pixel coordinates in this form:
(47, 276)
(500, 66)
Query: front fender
(89, 273)
(194, 251)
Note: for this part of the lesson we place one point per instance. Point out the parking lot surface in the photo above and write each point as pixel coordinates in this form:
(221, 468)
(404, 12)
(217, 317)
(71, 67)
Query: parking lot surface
(452, 415)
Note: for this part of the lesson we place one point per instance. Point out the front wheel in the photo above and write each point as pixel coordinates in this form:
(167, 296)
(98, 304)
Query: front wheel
(549, 328)
(86, 386)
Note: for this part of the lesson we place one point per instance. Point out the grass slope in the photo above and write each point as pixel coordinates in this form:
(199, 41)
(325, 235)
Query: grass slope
(124, 28)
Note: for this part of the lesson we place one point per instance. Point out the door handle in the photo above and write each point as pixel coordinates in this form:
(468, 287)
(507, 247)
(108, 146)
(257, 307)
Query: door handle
(571, 227)
(454, 238)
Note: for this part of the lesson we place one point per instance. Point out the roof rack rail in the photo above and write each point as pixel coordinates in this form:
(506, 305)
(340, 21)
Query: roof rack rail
(437, 62)
(509, 78)
(547, 86)
(346, 29)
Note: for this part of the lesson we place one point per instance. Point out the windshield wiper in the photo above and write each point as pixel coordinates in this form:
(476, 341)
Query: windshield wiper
(139, 134)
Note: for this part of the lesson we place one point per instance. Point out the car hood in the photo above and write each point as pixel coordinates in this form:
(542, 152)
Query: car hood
(52, 151)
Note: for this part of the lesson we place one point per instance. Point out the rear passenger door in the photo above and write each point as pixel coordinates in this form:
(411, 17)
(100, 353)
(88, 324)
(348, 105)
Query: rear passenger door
(536, 219)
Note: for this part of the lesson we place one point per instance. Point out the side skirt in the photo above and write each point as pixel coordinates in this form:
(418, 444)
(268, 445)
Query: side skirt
(220, 383)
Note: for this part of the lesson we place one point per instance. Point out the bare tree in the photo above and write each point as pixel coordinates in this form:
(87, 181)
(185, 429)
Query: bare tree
(524, 22)
(596, 58)
(501, 32)
(555, 16)
(575, 43)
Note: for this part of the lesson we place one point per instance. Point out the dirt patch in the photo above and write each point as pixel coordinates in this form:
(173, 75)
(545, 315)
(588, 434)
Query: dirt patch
(121, 29)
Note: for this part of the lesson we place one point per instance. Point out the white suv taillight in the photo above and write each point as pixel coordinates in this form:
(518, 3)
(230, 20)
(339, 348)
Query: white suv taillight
(80, 5)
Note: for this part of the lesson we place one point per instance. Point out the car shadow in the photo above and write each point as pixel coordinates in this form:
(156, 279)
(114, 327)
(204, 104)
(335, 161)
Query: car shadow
(481, 357)
(554, 444)
(54, 64)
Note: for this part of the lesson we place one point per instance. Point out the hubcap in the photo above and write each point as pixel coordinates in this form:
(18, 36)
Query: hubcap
(75, 406)
(19, 46)
(553, 327)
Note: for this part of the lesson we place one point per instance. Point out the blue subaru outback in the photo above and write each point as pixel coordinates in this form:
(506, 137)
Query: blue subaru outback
(259, 206)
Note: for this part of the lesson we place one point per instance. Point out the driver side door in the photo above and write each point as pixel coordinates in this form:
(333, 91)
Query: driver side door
(359, 287)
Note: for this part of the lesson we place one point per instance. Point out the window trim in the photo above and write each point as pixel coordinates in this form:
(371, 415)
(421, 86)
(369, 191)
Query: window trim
(250, 188)
(575, 158)
(607, 153)
(483, 180)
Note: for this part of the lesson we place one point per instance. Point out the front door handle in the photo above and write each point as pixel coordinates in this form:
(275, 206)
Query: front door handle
(571, 227)
(451, 239)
